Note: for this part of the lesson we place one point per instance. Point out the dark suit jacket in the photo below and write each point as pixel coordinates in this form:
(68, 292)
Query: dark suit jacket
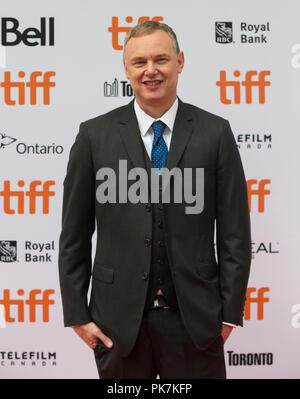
(209, 291)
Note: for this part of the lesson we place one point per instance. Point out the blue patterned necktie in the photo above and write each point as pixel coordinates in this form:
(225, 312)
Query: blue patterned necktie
(159, 151)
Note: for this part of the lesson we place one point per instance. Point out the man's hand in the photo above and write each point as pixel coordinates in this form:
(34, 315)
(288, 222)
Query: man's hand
(226, 331)
(90, 333)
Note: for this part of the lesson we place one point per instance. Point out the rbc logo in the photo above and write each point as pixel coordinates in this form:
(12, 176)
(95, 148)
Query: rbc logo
(223, 32)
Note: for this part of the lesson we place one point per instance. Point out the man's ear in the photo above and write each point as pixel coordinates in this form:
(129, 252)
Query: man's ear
(125, 69)
(180, 61)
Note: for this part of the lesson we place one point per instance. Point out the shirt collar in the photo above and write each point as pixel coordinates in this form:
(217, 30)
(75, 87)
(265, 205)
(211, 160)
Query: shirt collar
(145, 121)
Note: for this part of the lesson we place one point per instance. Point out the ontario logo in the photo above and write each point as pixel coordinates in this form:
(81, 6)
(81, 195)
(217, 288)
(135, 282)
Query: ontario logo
(6, 140)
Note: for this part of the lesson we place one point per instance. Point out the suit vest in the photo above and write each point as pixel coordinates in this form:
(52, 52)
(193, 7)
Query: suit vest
(160, 276)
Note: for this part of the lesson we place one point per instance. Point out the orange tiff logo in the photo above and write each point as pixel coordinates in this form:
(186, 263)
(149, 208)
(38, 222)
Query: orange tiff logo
(115, 28)
(260, 192)
(15, 91)
(249, 82)
(32, 303)
(17, 197)
(258, 298)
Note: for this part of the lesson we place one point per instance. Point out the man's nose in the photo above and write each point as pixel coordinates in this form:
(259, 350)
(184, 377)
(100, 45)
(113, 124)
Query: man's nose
(150, 69)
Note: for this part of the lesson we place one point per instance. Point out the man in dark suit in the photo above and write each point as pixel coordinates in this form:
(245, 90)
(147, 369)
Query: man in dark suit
(161, 304)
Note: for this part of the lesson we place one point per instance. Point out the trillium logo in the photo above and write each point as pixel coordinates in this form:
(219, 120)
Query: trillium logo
(6, 140)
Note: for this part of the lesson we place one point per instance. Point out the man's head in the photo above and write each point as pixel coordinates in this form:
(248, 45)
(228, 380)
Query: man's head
(152, 62)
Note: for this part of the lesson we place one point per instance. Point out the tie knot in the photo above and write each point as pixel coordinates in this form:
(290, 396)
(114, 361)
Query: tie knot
(158, 128)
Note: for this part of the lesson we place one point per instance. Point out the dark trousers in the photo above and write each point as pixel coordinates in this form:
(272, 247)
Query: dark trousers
(163, 347)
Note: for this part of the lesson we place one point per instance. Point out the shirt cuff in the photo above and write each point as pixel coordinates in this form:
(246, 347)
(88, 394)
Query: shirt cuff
(229, 324)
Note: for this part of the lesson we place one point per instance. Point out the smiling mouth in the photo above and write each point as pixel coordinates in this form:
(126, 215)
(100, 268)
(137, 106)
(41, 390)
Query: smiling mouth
(152, 82)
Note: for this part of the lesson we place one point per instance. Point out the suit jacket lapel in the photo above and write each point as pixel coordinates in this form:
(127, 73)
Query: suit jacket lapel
(182, 130)
(131, 137)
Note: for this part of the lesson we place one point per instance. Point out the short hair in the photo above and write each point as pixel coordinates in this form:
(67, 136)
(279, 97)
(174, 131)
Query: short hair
(147, 27)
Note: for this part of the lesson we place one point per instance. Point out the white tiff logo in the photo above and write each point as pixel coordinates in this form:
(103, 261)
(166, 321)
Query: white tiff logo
(2, 317)
(139, 190)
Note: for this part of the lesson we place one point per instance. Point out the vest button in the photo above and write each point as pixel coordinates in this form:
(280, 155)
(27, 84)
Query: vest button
(161, 243)
(148, 208)
(147, 242)
(144, 275)
(160, 224)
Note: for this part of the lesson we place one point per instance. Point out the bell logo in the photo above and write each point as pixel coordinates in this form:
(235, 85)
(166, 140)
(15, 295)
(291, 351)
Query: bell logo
(11, 35)
(248, 83)
(32, 303)
(115, 29)
(258, 300)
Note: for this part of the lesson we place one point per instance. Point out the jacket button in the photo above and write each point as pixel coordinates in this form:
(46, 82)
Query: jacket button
(145, 276)
(147, 242)
(161, 243)
(148, 208)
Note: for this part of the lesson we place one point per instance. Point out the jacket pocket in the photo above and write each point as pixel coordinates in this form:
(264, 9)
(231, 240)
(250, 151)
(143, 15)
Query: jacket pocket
(103, 274)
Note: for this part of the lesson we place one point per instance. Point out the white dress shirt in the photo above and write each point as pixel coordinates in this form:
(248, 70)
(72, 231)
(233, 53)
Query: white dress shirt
(145, 121)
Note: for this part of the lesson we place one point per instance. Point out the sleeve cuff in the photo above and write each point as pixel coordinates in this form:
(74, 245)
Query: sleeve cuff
(229, 324)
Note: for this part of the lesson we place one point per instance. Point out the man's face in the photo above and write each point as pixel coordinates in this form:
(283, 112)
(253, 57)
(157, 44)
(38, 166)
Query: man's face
(152, 67)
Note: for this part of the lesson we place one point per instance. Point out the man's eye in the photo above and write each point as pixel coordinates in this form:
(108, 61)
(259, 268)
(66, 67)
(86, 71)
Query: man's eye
(161, 59)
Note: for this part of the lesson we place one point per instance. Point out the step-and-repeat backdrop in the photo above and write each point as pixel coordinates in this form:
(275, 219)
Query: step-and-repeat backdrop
(60, 64)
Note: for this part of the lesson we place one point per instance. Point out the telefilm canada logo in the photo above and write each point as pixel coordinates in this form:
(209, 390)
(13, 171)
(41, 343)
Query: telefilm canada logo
(27, 358)
(254, 141)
